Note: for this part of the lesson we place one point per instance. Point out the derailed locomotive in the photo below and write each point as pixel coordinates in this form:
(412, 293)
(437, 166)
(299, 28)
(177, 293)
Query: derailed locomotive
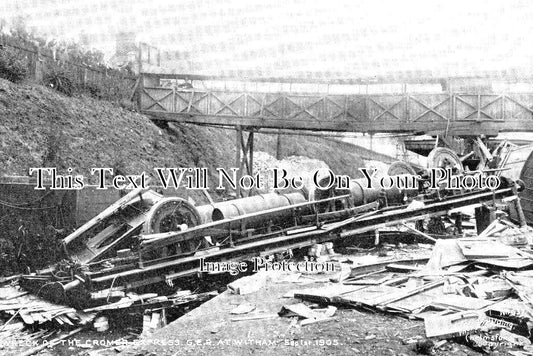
(146, 239)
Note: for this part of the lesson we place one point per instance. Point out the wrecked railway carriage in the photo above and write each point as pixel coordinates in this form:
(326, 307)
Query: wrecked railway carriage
(144, 239)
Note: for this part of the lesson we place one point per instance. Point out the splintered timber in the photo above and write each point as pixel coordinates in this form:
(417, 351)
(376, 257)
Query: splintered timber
(198, 179)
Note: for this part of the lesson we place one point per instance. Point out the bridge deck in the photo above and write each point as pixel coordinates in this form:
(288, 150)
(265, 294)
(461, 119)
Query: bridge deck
(455, 113)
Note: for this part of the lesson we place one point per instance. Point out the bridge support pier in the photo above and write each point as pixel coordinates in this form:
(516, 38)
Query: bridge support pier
(244, 159)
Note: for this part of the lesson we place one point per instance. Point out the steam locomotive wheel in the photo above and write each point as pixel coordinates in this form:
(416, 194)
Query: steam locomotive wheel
(400, 168)
(170, 214)
(173, 214)
(442, 157)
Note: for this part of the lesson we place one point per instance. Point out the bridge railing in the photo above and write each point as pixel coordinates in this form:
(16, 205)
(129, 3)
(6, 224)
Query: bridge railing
(455, 113)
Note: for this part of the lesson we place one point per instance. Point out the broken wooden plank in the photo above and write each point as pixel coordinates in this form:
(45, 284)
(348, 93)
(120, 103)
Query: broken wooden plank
(17, 295)
(121, 304)
(419, 233)
(413, 291)
(460, 303)
(256, 317)
(37, 317)
(301, 310)
(26, 318)
(395, 267)
(13, 327)
(327, 293)
(488, 229)
(10, 319)
(484, 248)
(369, 296)
(373, 267)
(349, 280)
(370, 282)
(456, 324)
(65, 320)
(413, 304)
(506, 263)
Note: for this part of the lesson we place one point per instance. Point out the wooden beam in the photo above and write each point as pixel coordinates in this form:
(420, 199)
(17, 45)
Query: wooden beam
(420, 77)
(458, 128)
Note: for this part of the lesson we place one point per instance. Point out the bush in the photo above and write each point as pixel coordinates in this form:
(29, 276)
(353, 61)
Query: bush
(94, 90)
(60, 81)
(12, 67)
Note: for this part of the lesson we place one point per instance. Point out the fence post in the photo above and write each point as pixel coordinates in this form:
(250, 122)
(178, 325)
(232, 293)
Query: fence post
(148, 60)
(140, 58)
(139, 90)
(37, 70)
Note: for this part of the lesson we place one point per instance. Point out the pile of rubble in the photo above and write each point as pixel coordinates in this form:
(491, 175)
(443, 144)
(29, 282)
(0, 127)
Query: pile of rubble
(474, 290)
(297, 166)
(32, 321)
(27, 313)
(294, 165)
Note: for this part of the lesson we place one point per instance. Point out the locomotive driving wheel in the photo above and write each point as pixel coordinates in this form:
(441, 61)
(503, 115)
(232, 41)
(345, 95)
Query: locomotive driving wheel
(399, 168)
(442, 157)
(173, 214)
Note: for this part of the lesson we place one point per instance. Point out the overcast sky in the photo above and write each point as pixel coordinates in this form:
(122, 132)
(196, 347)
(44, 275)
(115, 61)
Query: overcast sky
(280, 37)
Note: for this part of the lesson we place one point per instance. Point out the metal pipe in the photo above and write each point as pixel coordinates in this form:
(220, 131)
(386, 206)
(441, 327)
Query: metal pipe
(237, 207)
(360, 193)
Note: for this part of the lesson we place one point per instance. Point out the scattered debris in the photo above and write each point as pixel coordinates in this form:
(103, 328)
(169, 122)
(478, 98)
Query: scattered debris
(470, 289)
(248, 284)
(101, 324)
(308, 315)
(256, 316)
(477, 290)
(244, 308)
(33, 310)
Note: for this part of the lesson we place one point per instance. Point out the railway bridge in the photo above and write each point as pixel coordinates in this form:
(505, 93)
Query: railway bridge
(457, 106)
(414, 105)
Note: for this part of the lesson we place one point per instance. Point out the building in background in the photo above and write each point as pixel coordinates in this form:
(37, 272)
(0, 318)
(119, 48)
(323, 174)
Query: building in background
(126, 51)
